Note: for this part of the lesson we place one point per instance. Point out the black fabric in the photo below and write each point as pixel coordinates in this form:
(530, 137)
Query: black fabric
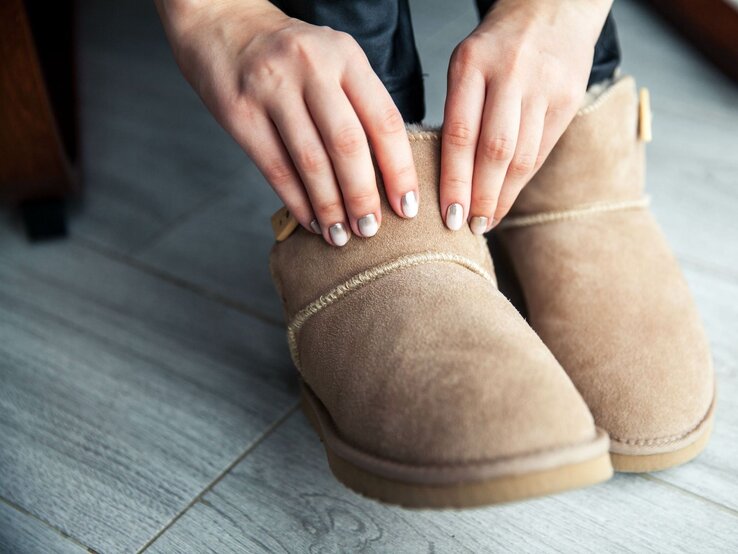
(384, 30)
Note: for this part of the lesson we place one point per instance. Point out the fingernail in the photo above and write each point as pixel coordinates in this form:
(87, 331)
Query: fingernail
(409, 204)
(315, 226)
(368, 225)
(338, 234)
(454, 217)
(478, 224)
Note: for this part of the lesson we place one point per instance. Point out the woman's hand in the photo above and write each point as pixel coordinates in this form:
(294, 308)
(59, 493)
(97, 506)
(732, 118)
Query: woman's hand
(304, 104)
(514, 85)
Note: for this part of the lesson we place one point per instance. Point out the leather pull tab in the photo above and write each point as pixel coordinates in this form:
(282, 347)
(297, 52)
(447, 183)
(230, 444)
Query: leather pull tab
(644, 116)
(283, 224)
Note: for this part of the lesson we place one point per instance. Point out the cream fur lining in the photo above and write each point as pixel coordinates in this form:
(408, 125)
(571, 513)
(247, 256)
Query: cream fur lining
(368, 276)
(574, 213)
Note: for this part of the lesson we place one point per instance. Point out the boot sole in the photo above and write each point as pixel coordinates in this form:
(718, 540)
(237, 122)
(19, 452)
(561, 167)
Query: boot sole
(646, 463)
(465, 494)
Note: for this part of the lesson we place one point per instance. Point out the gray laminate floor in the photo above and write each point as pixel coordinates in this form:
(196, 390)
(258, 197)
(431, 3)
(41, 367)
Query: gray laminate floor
(147, 398)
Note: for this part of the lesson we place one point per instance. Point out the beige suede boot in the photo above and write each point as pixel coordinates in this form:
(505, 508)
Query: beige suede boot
(605, 293)
(425, 385)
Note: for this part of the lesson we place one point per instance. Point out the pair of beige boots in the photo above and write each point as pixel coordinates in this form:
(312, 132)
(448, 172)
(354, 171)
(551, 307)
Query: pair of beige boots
(429, 389)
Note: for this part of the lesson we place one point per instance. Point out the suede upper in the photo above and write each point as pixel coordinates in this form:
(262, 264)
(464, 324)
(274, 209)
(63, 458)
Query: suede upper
(604, 291)
(428, 364)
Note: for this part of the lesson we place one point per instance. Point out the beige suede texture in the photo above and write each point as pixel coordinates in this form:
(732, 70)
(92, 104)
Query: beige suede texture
(428, 364)
(605, 292)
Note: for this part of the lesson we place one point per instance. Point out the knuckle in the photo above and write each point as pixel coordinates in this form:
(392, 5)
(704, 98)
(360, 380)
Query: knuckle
(485, 204)
(345, 41)
(458, 133)
(360, 197)
(465, 55)
(296, 44)
(571, 96)
(312, 159)
(390, 121)
(522, 164)
(498, 149)
(326, 208)
(348, 141)
(403, 173)
(278, 173)
(455, 184)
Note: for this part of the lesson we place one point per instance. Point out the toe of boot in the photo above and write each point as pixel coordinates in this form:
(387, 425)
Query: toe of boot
(431, 375)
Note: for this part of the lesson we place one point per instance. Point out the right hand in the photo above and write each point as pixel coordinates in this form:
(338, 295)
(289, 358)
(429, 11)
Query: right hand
(304, 104)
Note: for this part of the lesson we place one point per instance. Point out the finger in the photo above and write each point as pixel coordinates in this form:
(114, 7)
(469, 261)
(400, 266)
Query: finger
(311, 160)
(264, 146)
(497, 140)
(348, 149)
(387, 135)
(461, 124)
(525, 159)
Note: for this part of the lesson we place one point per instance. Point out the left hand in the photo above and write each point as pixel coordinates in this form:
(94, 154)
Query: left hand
(514, 85)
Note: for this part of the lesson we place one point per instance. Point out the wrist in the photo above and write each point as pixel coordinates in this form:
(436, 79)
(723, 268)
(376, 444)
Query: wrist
(586, 16)
(180, 17)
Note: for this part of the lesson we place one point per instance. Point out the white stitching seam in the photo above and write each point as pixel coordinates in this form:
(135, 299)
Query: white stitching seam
(368, 276)
(574, 213)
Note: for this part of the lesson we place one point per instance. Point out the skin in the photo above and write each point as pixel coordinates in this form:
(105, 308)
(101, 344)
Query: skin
(305, 105)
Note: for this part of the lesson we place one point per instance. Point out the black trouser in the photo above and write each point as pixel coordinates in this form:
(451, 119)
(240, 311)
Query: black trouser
(384, 30)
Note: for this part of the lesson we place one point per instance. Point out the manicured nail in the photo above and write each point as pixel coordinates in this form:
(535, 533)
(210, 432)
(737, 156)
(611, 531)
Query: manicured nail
(454, 217)
(368, 225)
(338, 234)
(478, 224)
(315, 226)
(409, 204)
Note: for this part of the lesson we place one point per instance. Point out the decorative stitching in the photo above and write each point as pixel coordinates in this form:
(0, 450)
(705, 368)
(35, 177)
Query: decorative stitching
(661, 441)
(415, 136)
(574, 213)
(600, 99)
(368, 276)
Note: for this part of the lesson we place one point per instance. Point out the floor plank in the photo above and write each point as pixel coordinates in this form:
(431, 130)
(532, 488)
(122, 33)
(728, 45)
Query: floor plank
(121, 396)
(20, 532)
(225, 248)
(674, 71)
(282, 498)
(151, 152)
(714, 474)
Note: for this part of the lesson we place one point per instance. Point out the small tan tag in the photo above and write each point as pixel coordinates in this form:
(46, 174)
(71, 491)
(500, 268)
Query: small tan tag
(644, 116)
(283, 224)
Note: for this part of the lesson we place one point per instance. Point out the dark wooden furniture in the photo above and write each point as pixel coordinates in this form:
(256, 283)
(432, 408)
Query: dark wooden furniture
(710, 25)
(38, 115)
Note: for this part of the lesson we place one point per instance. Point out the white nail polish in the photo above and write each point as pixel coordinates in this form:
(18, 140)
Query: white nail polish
(315, 226)
(478, 224)
(368, 225)
(454, 217)
(409, 204)
(338, 234)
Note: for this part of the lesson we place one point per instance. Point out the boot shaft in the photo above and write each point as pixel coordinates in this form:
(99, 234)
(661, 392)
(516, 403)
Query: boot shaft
(599, 158)
(307, 267)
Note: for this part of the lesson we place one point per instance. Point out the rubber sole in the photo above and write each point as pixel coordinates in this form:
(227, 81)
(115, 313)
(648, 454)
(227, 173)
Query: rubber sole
(632, 463)
(455, 495)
